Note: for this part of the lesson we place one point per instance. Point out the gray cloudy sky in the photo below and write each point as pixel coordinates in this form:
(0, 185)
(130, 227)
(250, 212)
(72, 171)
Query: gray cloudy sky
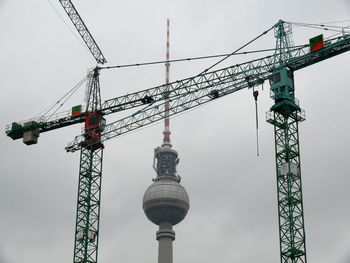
(233, 214)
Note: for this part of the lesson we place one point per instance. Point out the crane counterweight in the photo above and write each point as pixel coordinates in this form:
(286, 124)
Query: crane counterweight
(31, 137)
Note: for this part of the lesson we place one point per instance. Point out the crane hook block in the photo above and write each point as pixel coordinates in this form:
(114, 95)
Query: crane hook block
(255, 94)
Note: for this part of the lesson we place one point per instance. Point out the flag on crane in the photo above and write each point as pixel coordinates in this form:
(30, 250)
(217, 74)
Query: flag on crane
(76, 110)
(316, 43)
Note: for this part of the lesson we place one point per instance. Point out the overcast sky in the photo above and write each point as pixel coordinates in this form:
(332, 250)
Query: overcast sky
(233, 210)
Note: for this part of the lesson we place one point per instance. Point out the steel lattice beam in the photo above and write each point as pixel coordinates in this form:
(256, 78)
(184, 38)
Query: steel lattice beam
(83, 30)
(90, 174)
(285, 116)
(289, 188)
(88, 206)
(226, 81)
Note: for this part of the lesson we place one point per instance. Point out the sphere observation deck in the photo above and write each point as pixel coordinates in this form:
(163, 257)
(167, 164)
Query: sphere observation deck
(166, 201)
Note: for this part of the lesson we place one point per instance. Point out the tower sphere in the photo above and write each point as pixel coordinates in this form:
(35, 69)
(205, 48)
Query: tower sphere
(166, 201)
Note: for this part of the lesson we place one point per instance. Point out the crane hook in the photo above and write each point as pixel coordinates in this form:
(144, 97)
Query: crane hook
(255, 95)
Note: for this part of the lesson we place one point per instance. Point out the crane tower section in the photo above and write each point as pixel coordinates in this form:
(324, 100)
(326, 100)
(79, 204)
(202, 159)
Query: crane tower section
(90, 173)
(285, 116)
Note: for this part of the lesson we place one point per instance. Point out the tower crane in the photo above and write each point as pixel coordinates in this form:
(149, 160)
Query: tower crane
(180, 96)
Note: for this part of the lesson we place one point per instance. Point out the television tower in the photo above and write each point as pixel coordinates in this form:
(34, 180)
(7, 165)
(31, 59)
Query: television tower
(166, 201)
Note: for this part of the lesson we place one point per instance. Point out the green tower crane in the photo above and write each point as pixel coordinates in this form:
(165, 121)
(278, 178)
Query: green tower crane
(183, 95)
(91, 155)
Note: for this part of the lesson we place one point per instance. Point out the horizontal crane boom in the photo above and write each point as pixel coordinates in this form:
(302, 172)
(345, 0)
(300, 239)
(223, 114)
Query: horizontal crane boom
(210, 85)
(192, 92)
(237, 73)
(332, 48)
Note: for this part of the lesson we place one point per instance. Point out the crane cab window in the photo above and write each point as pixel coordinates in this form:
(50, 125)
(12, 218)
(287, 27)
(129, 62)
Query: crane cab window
(94, 120)
(274, 78)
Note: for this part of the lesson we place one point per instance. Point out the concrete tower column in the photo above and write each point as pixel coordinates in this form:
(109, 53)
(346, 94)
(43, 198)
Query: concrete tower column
(165, 236)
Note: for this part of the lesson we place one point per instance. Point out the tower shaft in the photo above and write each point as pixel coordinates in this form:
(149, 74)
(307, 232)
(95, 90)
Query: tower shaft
(165, 237)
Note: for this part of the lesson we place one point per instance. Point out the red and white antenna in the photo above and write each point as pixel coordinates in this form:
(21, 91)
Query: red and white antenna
(166, 133)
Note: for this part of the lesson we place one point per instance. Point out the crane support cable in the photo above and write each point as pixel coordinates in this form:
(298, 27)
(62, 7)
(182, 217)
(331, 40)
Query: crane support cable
(191, 58)
(327, 27)
(83, 31)
(67, 26)
(324, 28)
(54, 120)
(226, 56)
(320, 25)
(66, 97)
(335, 22)
(234, 52)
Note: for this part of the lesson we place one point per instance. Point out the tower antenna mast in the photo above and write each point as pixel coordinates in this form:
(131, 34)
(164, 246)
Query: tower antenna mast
(166, 133)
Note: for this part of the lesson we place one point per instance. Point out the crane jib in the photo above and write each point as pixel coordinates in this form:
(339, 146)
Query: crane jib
(254, 73)
(329, 50)
(83, 30)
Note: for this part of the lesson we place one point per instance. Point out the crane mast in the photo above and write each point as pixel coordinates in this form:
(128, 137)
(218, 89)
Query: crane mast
(285, 116)
(90, 174)
(91, 153)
